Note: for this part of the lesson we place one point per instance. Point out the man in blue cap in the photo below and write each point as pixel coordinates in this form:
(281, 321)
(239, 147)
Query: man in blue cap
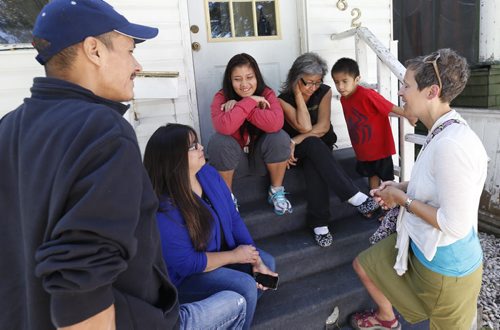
(80, 247)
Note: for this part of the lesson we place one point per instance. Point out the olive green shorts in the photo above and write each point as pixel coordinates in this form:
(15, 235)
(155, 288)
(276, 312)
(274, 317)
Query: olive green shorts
(421, 294)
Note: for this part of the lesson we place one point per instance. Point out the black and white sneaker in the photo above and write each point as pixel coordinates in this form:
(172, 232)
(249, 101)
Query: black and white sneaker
(323, 240)
(368, 208)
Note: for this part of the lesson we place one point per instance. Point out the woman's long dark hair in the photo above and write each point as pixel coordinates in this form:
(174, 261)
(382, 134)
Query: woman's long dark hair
(166, 161)
(235, 61)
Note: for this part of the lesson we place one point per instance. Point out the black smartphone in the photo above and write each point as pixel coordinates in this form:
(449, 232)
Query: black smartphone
(266, 280)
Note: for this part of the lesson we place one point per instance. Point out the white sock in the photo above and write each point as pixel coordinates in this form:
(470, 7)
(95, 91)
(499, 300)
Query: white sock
(321, 230)
(275, 189)
(357, 199)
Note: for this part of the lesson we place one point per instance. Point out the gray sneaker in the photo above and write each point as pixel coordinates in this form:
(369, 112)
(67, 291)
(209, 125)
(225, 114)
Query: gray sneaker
(279, 201)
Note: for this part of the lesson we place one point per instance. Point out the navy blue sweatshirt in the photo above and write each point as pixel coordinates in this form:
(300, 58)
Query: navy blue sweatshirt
(78, 211)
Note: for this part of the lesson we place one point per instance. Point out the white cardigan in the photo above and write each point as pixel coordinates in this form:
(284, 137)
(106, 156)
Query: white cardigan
(448, 174)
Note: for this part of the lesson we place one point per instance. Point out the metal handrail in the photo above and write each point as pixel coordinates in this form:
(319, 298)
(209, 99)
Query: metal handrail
(378, 48)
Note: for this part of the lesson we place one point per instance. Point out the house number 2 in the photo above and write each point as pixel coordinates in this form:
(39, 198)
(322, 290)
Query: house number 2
(356, 13)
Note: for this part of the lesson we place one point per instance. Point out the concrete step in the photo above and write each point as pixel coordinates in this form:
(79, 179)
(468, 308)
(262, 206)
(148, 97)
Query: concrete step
(251, 188)
(297, 255)
(313, 280)
(307, 302)
(263, 222)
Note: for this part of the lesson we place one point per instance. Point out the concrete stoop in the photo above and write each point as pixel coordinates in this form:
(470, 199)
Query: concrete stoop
(313, 280)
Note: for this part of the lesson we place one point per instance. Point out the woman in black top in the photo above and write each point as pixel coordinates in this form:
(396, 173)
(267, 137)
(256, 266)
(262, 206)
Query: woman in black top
(306, 102)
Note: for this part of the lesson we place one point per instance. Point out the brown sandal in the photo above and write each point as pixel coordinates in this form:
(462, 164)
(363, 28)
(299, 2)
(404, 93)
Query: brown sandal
(364, 321)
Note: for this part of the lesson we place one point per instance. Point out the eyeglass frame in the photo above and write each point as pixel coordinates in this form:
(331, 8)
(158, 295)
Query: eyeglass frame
(310, 84)
(194, 146)
(436, 69)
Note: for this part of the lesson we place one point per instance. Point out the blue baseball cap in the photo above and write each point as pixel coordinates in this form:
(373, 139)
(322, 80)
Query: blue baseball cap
(63, 23)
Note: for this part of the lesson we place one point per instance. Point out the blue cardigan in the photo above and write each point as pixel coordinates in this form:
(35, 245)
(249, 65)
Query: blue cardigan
(178, 251)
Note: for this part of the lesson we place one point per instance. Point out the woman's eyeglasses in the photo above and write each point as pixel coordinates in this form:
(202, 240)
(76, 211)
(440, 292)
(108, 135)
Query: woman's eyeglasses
(311, 84)
(429, 60)
(194, 146)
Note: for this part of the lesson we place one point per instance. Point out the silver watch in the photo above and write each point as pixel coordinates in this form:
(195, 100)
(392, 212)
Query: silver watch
(407, 204)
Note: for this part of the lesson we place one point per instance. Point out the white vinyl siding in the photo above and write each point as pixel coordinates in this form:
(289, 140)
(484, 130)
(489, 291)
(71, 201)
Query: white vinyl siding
(325, 19)
(170, 51)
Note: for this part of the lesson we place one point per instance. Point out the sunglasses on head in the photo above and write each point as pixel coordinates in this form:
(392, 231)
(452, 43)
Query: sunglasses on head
(432, 59)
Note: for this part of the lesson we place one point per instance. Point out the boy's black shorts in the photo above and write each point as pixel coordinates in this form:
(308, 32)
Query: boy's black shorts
(383, 168)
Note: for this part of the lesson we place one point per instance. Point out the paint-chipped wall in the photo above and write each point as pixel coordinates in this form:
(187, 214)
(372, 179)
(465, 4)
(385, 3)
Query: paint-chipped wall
(486, 124)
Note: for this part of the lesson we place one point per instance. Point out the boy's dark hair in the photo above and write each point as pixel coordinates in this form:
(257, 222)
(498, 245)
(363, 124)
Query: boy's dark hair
(346, 65)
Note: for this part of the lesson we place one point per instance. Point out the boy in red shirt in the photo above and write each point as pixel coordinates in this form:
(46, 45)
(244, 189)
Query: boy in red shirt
(367, 116)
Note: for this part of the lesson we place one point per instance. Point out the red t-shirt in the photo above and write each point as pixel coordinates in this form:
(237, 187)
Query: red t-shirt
(366, 113)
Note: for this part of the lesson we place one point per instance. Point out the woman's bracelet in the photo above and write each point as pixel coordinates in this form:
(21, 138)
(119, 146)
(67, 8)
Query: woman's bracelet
(407, 204)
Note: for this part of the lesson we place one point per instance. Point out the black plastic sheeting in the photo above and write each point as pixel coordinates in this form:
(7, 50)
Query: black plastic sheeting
(423, 26)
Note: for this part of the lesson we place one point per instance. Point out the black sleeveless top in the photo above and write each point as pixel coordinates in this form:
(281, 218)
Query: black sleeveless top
(313, 106)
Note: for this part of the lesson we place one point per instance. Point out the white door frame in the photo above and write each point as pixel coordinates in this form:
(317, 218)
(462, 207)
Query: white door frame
(189, 64)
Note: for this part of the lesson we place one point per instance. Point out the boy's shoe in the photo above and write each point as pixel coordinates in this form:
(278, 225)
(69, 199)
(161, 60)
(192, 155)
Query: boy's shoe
(235, 201)
(281, 203)
(368, 207)
(368, 320)
(323, 240)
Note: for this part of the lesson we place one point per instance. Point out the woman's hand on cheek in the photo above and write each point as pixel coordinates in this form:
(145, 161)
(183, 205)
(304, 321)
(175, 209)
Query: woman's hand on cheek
(296, 88)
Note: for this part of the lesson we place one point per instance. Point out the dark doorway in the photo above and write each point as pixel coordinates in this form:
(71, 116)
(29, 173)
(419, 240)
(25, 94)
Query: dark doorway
(422, 26)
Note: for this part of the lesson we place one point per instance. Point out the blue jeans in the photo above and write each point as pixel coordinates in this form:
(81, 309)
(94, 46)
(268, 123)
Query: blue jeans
(223, 310)
(236, 277)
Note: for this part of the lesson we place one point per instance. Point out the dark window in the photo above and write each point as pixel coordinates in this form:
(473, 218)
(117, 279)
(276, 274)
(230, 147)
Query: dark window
(422, 26)
(17, 18)
(243, 18)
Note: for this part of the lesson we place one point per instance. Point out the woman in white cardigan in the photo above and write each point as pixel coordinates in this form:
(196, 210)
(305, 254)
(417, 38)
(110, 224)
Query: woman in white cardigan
(435, 270)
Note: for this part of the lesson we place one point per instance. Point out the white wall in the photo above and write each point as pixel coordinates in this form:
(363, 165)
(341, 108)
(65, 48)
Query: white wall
(489, 44)
(170, 51)
(325, 19)
(486, 124)
(17, 67)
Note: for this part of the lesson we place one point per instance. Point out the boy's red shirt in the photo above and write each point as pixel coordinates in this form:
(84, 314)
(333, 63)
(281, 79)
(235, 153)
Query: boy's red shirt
(367, 116)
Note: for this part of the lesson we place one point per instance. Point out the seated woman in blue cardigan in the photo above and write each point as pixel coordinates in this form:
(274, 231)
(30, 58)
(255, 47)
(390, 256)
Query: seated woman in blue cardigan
(206, 245)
